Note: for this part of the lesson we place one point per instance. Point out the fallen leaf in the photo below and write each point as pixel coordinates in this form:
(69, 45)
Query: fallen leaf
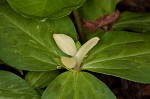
(101, 22)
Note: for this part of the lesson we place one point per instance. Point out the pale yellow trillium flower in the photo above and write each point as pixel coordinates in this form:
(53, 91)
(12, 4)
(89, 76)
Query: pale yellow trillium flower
(67, 45)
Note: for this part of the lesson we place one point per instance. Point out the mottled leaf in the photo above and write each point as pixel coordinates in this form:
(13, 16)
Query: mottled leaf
(41, 79)
(45, 8)
(77, 85)
(137, 22)
(13, 87)
(121, 54)
(28, 44)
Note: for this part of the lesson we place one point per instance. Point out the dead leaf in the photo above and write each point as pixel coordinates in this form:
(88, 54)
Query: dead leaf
(107, 19)
(91, 26)
(101, 22)
(146, 91)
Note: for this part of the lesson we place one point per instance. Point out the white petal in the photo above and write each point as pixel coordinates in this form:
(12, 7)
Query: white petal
(84, 49)
(69, 62)
(65, 43)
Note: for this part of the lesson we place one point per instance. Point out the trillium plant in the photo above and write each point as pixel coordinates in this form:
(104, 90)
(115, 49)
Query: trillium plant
(51, 49)
(67, 45)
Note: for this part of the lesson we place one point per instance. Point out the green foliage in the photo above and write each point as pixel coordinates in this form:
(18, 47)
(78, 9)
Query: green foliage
(41, 79)
(1, 62)
(94, 9)
(136, 22)
(77, 85)
(45, 8)
(27, 43)
(3, 2)
(122, 54)
(13, 87)
(30, 42)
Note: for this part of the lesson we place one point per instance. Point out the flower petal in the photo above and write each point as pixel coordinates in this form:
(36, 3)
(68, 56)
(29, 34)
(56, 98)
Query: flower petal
(69, 62)
(65, 43)
(84, 49)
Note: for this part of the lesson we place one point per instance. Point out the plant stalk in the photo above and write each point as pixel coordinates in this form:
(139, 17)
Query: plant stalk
(79, 26)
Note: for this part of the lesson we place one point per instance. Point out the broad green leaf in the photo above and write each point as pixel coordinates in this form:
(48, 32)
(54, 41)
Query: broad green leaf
(138, 22)
(96, 33)
(94, 9)
(3, 2)
(121, 54)
(41, 79)
(13, 87)
(1, 62)
(45, 8)
(28, 44)
(77, 85)
(140, 75)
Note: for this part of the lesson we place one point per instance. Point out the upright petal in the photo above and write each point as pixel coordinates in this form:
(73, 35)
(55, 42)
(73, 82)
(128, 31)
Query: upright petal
(84, 49)
(69, 62)
(65, 43)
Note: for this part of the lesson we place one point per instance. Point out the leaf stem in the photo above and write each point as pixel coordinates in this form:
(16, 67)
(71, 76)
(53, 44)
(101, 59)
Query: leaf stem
(79, 26)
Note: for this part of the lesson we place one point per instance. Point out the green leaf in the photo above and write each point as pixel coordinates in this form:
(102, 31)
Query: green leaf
(77, 85)
(45, 8)
(94, 9)
(97, 33)
(27, 44)
(121, 54)
(1, 62)
(3, 2)
(13, 87)
(41, 79)
(137, 22)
